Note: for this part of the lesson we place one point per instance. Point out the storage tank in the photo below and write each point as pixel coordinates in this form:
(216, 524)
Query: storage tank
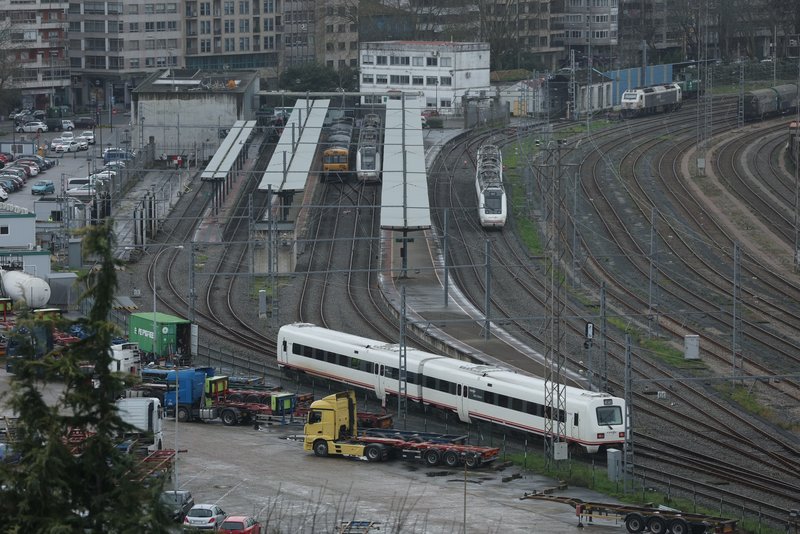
(20, 285)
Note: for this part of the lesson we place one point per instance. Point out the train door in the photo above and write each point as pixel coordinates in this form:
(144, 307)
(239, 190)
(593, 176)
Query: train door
(462, 402)
(380, 382)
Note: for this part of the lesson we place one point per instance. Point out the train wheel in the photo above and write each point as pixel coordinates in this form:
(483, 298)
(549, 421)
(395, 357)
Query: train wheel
(451, 459)
(634, 523)
(679, 526)
(373, 453)
(183, 414)
(321, 448)
(657, 525)
(229, 418)
(473, 461)
(431, 457)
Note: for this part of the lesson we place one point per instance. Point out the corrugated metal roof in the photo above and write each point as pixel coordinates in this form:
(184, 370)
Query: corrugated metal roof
(228, 151)
(291, 162)
(405, 204)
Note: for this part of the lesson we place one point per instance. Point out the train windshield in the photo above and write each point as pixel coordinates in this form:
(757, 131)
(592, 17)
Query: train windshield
(493, 202)
(609, 415)
(629, 96)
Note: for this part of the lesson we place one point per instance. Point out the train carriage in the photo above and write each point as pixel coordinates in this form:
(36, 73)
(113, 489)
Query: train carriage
(763, 103)
(492, 204)
(368, 154)
(336, 157)
(473, 391)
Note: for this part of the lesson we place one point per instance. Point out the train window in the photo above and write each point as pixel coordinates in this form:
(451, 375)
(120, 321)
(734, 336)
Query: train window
(355, 363)
(283, 344)
(330, 357)
(502, 401)
(459, 390)
(516, 405)
(466, 390)
(413, 378)
(575, 420)
(476, 394)
(488, 397)
(368, 367)
(430, 382)
(609, 415)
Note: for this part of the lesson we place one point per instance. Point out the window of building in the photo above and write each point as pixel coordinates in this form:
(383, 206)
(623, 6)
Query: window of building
(417, 61)
(431, 80)
(367, 78)
(149, 9)
(94, 26)
(205, 9)
(133, 9)
(161, 8)
(367, 59)
(353, 45)
(353, 62)
(446, 62)
(230, 25)
(133, 63)
(171, 7)
(244, 9)
(244, 25)
(94, 8)
(205, 27)
(341, 45)
(150, 62)
(244, 43)
(341, 28)
(150, 44)
(399, 60)
(269, 6)
(269, 42)
(445, 80)
(205, 45)
(114, 26)
(380, 79)
(431, 61)
(381, 60)
(341, 63)
(229, 8)
(446, 103)
(329, 47)
(417, 80)
(329, 28)
(161, 25)
(230, 44)
(132, 45)
(399, 79)
(172, 25)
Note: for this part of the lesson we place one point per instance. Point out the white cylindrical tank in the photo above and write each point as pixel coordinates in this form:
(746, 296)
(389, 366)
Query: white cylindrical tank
(20, 285)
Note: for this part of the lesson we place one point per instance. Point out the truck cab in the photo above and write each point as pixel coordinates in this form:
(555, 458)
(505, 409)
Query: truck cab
(330, 423)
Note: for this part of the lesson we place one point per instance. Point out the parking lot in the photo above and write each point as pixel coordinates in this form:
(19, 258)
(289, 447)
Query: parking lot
(69, 165)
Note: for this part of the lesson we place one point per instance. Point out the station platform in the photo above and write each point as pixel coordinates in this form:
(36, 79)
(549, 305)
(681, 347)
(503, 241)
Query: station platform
(456, 325)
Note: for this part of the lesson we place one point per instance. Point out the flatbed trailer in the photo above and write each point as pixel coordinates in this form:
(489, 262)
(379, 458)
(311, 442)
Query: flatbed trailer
(657, 520)
(332, 429)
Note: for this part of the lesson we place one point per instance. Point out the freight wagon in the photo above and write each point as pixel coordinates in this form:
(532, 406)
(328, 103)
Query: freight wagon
(172, 338)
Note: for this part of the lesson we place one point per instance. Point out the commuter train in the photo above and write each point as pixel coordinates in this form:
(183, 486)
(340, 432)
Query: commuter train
(473, 391)
(492, 208)
(659, 98)
(763, 103)
(336, 155)
(368, 155)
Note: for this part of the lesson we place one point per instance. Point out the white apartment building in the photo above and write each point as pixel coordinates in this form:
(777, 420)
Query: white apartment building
(444, 72)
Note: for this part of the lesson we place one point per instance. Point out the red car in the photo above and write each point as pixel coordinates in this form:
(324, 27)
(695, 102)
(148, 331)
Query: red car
(240, 524)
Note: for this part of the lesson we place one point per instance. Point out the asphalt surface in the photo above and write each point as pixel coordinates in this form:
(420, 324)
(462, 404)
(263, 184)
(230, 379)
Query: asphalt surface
(267, 474)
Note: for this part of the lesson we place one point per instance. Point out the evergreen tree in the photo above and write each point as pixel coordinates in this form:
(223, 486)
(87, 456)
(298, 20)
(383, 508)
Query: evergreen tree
(83, 485)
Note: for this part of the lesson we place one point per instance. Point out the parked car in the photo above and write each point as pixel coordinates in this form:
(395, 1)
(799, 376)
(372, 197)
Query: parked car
(57, 125)
(116, 154)
(68, 136)
(84, 122)
(28, 166)
(178, 502)
(3, 194)
(83, 144)
(8, 155)
(204, 517)
(54, 142)
(19, 183)
(43, 187)
(32, 127)
(240, 524)
(14, 171)
(89, 136)
(20, 113)
(28, 160)
(8, 185)
(85, 190)
(43, 163)
(68, 146)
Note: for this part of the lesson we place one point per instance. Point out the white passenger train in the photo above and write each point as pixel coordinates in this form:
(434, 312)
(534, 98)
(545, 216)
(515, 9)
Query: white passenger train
(368, 156)
(489, 187)
(652, 99)
(473, 391)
